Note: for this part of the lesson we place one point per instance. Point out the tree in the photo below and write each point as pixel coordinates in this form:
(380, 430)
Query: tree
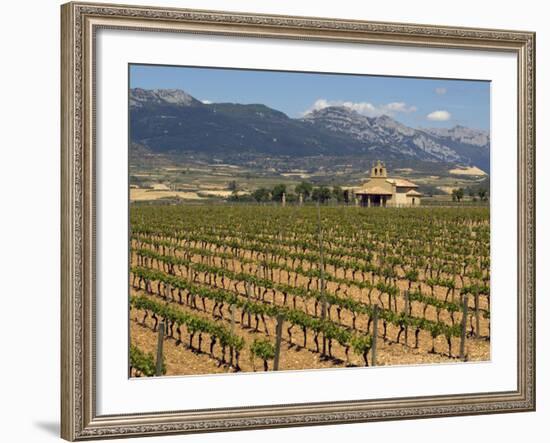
(236, 196)
(338, 194)
(261, 195)
(278, 191)
(321, 194)
(304, 188)
(458, 194)
(482, 193)
(232, 186)
(291, 198)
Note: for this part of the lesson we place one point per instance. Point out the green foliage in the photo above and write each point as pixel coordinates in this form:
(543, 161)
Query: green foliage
(305, 188)
(483, 194)
(321, 194)
(361, 343)
(241, 198)
(458, 194)
(263, 349)
(412, 275)
(338, 194)
(277, 192)
(291, 197)
(144, 362)
(261, 195)
(193, 322)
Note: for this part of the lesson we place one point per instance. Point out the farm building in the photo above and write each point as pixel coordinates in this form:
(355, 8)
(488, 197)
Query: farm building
(381, 190)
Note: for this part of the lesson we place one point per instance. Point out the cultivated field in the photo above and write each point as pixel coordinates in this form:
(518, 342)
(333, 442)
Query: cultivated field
(346, 286)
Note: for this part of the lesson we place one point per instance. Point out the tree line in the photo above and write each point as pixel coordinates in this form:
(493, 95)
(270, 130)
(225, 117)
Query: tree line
(481, 193)
(306, 190)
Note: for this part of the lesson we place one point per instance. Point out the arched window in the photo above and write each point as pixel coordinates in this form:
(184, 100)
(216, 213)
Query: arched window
(375, 171)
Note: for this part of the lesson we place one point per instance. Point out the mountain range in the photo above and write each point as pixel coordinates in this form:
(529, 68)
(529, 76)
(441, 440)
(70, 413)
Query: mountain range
(172, 121)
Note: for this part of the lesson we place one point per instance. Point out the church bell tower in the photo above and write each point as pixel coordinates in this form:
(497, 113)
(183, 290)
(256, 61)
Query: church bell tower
(378, 170)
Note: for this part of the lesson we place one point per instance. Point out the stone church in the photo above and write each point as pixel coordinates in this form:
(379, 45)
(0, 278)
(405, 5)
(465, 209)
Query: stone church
(381, 190)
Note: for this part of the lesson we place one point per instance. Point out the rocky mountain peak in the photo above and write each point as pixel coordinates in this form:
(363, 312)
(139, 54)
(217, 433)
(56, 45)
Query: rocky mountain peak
(462, 134)
(139, 96)
(385, 121)
(332, 111)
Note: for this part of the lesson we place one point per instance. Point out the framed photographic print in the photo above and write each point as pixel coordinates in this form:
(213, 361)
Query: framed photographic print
(280, 221)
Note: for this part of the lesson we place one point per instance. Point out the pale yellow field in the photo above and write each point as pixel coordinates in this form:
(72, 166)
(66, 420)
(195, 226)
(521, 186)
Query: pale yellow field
(447, 189)
(149, 194)
(160, 187)
(468, 171)
(215, 193)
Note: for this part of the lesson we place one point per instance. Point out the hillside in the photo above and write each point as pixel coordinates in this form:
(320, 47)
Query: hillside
(169, 121)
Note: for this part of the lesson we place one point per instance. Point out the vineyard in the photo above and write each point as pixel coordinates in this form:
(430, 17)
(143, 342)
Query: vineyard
(258, 288)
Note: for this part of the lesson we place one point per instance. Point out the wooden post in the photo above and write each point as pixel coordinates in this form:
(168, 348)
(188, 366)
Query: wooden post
(464, 321)
(247, 286)
(159, 349)
(232, 310)
(407, 314)
(279, 332)
(283, 199)
(476, 301)
(322, 274)
(374, 334)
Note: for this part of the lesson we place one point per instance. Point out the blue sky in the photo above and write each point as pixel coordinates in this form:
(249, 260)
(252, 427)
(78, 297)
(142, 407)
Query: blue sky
(416, 102)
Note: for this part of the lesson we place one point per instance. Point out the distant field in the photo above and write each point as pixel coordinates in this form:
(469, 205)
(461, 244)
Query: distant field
(152, 194)
(195, 181)
(472, 171)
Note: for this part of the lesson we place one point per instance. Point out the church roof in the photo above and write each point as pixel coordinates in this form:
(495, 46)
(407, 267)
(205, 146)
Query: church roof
(374, 190)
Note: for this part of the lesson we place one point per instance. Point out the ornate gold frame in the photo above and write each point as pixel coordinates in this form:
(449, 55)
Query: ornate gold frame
(80, 21)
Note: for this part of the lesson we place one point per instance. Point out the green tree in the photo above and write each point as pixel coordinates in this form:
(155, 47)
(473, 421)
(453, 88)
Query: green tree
(321, 194)
(236, 196)
(304, 188)
(232, 186)
(261, 195)
(338, 194)
(483, 194)
(458, 194)
(291, 198)
(278, 191)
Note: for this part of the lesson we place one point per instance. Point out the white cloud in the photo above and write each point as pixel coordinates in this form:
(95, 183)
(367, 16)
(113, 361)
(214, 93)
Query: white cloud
(397, 107)
(439, 116)
(206, 102)
(440, 91)
(364, 108)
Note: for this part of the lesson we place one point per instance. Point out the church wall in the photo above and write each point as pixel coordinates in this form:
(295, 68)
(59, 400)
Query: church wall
(401, 199)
